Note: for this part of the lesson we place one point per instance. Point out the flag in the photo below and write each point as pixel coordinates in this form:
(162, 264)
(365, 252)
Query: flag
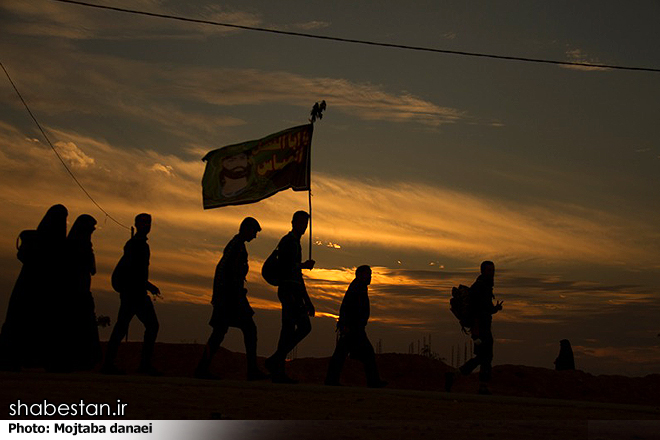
(254, 170)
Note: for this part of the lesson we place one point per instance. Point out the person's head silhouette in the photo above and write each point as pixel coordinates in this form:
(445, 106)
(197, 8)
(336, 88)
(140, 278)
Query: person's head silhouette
(299, 222)
(249, 228)
(363, 274)
(53, 225)
(143, 224)
(488, 269)
(82, 228)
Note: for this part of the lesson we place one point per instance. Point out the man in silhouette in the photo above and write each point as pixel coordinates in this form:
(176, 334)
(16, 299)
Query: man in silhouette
(296, 304)
(352, 338)
(131, 279)
(230, 304)
(481, 302)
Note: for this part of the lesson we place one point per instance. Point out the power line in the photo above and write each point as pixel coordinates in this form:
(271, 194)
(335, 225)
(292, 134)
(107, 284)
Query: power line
(363, 42)
(55, 150)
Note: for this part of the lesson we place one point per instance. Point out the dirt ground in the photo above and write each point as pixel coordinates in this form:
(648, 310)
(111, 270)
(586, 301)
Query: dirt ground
(526, 402)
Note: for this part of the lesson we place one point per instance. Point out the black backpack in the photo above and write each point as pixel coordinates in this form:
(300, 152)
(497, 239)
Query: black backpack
(271, 269)
(119, 276)
(460, 305)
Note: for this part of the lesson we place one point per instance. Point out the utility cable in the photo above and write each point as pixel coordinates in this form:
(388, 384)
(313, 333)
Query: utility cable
(363, 42)
(56, 153)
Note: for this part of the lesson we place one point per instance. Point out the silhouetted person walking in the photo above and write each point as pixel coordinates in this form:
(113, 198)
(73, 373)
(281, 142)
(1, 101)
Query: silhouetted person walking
(296, 304)
(481, 303)
(131, 279)
(25, 335)
(565, 360)
(84, 342)
(231, 307)
(352, 339)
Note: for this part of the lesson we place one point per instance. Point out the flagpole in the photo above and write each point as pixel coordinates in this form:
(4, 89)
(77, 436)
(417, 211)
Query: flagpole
(309, 196)
(310, 211)
(317, 112)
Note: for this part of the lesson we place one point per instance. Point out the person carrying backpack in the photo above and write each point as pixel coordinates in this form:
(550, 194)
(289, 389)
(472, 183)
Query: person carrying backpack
(482, 311)
(27, 337)
(297, 307)
(131, 280)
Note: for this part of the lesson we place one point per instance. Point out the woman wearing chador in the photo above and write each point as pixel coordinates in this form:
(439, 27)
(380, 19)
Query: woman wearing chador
(24, 340)
(83, 338)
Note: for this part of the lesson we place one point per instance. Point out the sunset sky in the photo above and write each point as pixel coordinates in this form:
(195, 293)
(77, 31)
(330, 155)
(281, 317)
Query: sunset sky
(424, 164)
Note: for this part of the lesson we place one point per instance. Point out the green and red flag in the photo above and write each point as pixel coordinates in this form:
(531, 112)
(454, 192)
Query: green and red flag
(254, 170)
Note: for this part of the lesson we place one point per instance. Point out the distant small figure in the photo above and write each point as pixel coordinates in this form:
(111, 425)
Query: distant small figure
(131, 279)
(352, 339)
(86, 348)
(296, 304)
(26, 332)
(565, 360)
(231, 307)
(481, 300)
